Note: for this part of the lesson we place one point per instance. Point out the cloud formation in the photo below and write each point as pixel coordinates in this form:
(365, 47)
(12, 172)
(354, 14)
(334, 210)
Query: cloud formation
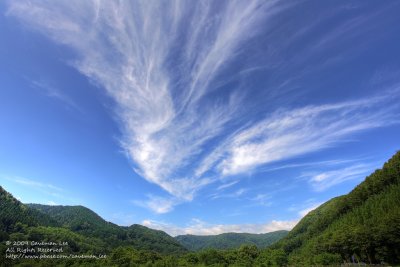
(33, 184)
(157, 204)
(298, 131)
(323, 180)
(53, 92)
(161, 63)
(46, 188)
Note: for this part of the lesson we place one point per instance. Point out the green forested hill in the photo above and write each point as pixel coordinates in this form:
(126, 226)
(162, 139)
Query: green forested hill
(76, 224)
(74, 217)
(84, 221)
(18, 222)
(229, 240)
(363, 225)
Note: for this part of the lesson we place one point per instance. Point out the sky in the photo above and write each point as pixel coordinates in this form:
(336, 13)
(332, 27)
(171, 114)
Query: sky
(196, 117)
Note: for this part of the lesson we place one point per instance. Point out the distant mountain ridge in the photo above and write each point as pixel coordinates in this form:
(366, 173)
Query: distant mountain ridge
(229, 240)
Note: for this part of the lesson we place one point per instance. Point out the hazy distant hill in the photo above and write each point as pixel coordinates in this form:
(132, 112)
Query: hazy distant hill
(229, 240)
(363, 225)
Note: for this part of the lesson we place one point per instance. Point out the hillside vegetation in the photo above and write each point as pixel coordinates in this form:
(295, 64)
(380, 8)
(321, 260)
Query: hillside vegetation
(84, 221)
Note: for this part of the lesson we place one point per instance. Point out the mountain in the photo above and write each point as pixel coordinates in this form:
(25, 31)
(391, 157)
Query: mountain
(84, 221)
(362, 226)
(229, 240)
(80, 222)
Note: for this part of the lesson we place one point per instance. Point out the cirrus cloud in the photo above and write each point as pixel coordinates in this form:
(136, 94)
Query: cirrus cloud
(161, 63)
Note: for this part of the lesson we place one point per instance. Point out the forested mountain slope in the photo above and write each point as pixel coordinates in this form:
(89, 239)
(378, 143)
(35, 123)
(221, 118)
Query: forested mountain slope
(13, 211)
(84, 221)
(229, 240)
(363, 225)
(17, 218)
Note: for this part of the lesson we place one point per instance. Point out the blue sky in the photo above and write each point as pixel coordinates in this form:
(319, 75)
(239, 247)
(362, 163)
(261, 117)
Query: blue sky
(196, 117)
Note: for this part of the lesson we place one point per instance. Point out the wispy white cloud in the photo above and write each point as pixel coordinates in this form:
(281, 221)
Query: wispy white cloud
(321, 181)
(52, 91)
(294, 132)
(158, 204)
(32, 183)
(235, 194)
(198, 227)
(262, 200)
(124, 47)
(227, 185)
(169, 110)
(311, 164)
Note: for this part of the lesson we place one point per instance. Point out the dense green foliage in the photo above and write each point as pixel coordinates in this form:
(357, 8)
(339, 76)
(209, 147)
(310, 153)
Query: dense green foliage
(229, 240)
(362, 226)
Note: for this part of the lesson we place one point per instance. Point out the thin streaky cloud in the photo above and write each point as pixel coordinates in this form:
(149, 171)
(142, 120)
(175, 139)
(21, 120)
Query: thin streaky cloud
(175, 134)
(235, 194)
(227, 185)
(156, 125)
(53, 92)
(157, 204)
(308, 164)
(321, 181)
(46, 188)
(32, 183)
(290, 133)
